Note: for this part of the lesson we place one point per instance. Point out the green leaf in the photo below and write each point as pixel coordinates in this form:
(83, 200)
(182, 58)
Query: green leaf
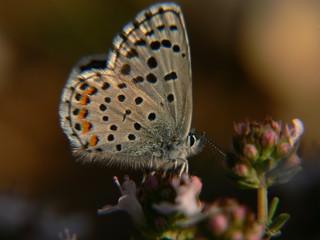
(275, 226)
(273, 208)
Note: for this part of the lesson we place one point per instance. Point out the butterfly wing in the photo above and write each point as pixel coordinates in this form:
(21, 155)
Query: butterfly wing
(155, 48)
(122, 109)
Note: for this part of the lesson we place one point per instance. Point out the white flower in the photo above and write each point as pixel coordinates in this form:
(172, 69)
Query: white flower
(296, 131)
(186, 201)
(127, 202)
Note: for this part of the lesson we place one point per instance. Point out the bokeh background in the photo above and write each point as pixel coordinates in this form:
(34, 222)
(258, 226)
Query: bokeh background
(250, 59)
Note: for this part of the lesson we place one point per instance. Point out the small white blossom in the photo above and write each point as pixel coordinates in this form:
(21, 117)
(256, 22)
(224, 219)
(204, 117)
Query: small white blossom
(127, 202)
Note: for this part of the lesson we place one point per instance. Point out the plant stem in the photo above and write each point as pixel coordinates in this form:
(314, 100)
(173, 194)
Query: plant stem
(262, 205)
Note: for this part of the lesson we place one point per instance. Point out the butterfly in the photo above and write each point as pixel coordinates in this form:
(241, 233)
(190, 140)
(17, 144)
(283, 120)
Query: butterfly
(133, 107)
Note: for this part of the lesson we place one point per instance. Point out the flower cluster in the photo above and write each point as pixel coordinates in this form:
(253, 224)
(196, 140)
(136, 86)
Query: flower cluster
(158, 203)
(264, 153)
(227, 219)
(169, 207)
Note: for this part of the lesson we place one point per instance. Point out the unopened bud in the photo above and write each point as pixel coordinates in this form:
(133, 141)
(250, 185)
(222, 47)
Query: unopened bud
(241, 128)
(239, 213)
(240, 170)
(293, 161)
(236, 236)
(219, 223)
(269, 139)
(250, 151)
(275, 126)
(284, 149)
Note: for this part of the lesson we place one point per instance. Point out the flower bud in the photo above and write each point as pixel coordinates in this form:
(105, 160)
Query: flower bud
(218, 224)
(250, 151)
(241, 128)
(254, 237)
(269, 139)
(196, 182)
(236, 236)
(293, 161)
(284, 149)
(240, 170)
(239, 213)
(276, 126)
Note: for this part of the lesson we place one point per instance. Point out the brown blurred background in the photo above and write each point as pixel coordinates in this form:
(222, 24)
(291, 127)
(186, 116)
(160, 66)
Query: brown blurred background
(250, 59)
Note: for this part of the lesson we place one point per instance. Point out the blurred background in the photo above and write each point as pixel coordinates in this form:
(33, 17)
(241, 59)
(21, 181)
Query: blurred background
(249, 59)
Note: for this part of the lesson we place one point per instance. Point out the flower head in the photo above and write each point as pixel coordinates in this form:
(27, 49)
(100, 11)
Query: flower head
(227, 219)
(159, 203)
(164, 206)
(264, 152)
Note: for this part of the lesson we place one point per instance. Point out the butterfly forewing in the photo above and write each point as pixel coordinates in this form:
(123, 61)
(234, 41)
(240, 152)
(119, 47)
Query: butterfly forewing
(155, 48)
(125, 106)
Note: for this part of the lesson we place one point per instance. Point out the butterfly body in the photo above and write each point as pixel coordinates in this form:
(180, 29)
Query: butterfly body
(133, 107)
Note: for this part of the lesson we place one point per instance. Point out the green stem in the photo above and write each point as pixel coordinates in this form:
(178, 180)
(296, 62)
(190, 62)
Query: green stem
(262, 205)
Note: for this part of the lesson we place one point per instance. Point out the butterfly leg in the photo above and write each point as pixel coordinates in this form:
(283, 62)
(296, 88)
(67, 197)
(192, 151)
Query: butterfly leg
(151, 163)
(184, 166)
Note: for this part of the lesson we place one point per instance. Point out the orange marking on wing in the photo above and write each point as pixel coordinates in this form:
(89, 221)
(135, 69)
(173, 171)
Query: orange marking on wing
(82, 114)
(93, 140)
(84, 99)
(90, 90)
(86, 126)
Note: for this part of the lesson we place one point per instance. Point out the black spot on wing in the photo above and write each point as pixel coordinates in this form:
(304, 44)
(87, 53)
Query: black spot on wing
(140, 42)
(170, 76)
(161, 27)
(138, 79)
(152, 62)
(151, 78)
(132, 53)
(166, 43)
(94, 64)
(149, 33)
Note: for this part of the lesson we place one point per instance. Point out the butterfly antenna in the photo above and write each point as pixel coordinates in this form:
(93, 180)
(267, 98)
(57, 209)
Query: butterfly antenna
(216, 147)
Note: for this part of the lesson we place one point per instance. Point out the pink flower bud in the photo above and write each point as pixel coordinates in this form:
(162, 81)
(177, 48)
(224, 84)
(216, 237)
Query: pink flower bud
(250, 151)
(239, 213)
(237, 236)
(196, 183)
(241, 170)
(257, 233)
(269, 138)
(293, 161)
(284, 149)
(219, 224)
(241, 128)
(275, 126)
(254, 237)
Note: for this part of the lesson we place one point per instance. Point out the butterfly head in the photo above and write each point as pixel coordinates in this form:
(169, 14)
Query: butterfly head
(177, 148)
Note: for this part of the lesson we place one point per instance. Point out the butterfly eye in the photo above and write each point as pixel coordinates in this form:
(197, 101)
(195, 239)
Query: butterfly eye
(192, 140)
